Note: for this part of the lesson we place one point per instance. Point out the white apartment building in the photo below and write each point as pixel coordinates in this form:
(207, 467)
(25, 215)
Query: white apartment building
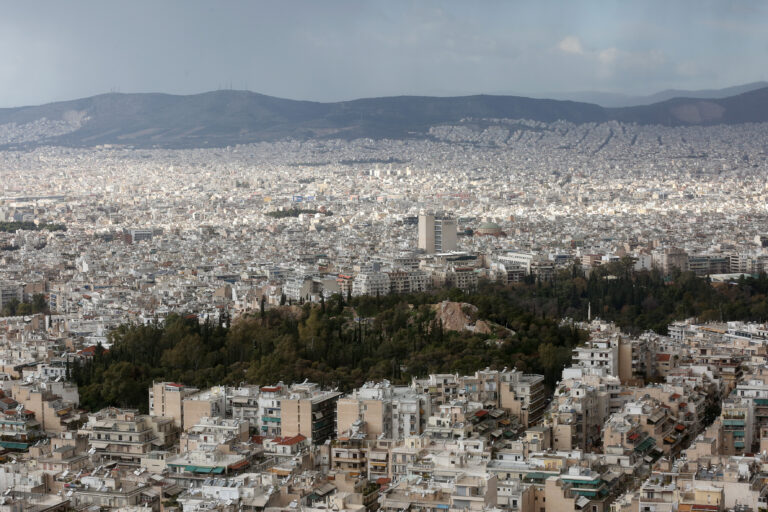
(598, 354)
(371, 283)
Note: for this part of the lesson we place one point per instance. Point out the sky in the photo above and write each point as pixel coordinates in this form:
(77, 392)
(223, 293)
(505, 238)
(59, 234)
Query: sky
(333, 50)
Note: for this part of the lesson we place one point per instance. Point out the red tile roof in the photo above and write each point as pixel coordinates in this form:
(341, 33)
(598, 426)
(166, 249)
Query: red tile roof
(290, 441)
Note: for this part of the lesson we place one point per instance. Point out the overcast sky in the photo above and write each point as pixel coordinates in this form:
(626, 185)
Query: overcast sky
(334, 50)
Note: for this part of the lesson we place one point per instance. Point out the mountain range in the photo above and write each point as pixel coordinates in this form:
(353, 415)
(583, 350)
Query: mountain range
(609, 99)
(228, 117)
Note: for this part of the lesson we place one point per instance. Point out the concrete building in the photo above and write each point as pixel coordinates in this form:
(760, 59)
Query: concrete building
(309, 411)
(119, 435)
(371, 283)
(437, 233)
(382, 411)
(167, 399)
(523, 395)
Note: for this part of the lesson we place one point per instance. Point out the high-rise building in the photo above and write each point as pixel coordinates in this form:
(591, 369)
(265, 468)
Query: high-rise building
(437, 233)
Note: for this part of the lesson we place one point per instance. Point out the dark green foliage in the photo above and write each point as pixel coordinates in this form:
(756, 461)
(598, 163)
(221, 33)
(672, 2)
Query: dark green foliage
(639, 301)
(347, 342)
(293, 212)
(13, 307)
(390, 337)
(10, 227)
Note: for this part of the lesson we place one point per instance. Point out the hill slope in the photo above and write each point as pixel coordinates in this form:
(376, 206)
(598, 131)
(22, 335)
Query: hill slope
(223, 118)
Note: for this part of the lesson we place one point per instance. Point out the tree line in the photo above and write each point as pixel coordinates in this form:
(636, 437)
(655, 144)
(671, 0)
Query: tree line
(644, 300)
(15, 307)
(12, 226)
(344, 342)
(337, 343)
(294, 212)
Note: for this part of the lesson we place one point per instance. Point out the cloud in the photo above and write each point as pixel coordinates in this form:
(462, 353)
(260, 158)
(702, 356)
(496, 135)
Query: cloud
(571, 44)
(608, 56)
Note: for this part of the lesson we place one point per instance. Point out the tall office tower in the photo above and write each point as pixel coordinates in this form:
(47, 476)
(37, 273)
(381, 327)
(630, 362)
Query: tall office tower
(437, 233)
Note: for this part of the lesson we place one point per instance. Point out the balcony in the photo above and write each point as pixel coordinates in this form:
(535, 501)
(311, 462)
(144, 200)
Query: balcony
(347, 457)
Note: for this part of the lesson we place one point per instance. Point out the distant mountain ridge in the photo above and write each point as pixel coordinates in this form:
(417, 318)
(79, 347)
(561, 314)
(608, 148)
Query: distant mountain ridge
(615, 100)
(227, 117)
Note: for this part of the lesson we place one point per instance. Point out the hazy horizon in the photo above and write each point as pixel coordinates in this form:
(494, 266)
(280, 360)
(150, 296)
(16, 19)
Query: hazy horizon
(344, 50)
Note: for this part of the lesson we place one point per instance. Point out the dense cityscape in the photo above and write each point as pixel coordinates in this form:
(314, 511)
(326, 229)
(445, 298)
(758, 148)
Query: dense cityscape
(401, 256)
(97, 239)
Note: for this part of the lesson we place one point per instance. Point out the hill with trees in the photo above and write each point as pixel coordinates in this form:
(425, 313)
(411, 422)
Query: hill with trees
(343, 344)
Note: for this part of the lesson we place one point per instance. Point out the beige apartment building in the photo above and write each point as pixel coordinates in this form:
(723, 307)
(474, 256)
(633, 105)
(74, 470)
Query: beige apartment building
(209, 403)
(167, 399)
(310, 412)
(50, 410)
(120, 435)
(520, 394)
(380, 410)
(523, 396)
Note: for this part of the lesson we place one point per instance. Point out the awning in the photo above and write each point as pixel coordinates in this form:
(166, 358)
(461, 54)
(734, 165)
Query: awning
(203, 470)
(645, 444)
(14, 446)
(217, 471)
(535, 475)
(239, 465)
(496, 433)
(324, 489)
